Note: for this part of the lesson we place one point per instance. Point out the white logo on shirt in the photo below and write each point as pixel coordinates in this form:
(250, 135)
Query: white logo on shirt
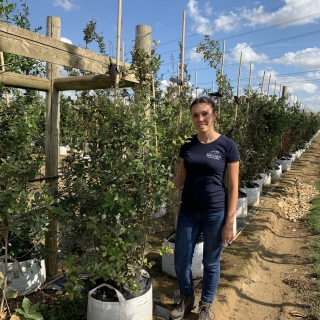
(213, 155)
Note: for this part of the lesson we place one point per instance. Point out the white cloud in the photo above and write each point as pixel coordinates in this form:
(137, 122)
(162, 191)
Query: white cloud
(63, 72)
(296, 85)
(227, 22)
(195, 56)
(308, 58)
(66, 40)
(267, 74)
(201, 24)
(65, 4)
(208, 8)
(312, 103)
(248, 54)
(313, 75)
(70, 93)
(299, 12)
(300, 87)
(294, 11)
(164, 84)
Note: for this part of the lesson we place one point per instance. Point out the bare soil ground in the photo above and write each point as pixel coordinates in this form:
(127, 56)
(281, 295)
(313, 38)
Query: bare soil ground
(266, 272)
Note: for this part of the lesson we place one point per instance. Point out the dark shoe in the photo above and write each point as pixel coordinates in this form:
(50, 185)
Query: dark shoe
(204, 311)
(185, 306)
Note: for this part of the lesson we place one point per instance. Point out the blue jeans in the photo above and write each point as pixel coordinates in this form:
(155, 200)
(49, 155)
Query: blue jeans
(189, 227)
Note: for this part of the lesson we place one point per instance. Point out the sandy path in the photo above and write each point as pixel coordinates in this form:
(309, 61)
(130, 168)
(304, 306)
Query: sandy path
(265, 287)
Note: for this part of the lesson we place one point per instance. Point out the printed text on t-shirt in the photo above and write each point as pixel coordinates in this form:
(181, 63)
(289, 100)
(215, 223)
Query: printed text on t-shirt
(213, 155)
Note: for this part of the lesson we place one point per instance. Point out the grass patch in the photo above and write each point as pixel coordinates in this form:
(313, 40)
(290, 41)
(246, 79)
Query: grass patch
(313, 220)
(314, 217)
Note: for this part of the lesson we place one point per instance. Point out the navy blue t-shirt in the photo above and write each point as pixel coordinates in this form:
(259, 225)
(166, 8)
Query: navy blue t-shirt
(206, 164)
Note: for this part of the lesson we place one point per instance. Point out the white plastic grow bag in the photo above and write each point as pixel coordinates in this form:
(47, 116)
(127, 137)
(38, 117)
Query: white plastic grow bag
(275, 175)
(259, 181)
(161, 212)
(242, 206)
(266, 177)
(267, 181)
(139, 308)
(25, 277)
(253, 195)
(293, 157)
(63, 151)
(298, 154)
(168, 259)
(286, 164)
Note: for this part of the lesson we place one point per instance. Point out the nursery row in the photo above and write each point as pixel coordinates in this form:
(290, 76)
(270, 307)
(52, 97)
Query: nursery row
(119, 174)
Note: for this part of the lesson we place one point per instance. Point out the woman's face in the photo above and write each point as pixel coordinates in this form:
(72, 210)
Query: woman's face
(203, 117)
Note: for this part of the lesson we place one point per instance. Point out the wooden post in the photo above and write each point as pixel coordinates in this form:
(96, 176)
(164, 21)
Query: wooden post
(143, 37)
(122, 51)
(3, 68)
(196, 82)
(239, 75)
(143, 41)
(223, 54)
(222, 71)
(262, 83)
(117, 78)
(52, 146)
(284, 92)
(154, 109)
(238, 92)
(268, 86)
(280, 90)
(249, 88)
(284, 95)
(182, 44)
(181, 76)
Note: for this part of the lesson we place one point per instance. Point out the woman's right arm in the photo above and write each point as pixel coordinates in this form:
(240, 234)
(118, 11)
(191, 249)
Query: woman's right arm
(178, 180)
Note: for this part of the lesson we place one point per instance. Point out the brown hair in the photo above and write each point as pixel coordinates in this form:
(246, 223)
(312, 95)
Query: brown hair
(204, 100)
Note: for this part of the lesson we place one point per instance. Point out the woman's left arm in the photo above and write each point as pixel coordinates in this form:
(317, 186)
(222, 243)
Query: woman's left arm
(233, 189)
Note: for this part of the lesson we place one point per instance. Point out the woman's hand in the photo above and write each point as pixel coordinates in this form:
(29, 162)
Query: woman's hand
(178, 180)
(227, 232)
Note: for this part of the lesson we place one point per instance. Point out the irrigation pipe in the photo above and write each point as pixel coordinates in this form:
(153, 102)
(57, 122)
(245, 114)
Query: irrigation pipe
(52, 281)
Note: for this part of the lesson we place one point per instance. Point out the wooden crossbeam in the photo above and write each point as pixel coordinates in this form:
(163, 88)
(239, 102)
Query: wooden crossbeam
(17, 80)
(29, 44)
(90, 82)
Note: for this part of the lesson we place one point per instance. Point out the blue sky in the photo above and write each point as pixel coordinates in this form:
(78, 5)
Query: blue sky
(280, 37)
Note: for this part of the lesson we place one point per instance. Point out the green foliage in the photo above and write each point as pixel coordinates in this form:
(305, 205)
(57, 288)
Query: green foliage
(29, 311)
(19, 204)
(17, 163)
(109, 193)
(91, 35)
(66, 309)
(165, 250)
(210, 50)
(19, 16)
(5, 8)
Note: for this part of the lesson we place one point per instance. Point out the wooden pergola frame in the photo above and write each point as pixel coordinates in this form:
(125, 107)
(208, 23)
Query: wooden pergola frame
(56, 53)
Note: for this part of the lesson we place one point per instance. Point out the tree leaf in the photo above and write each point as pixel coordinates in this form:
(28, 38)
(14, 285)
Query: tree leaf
(26, 304)
(11, 294)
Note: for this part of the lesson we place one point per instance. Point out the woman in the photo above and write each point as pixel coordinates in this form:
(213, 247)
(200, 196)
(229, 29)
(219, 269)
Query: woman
(207, 206)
